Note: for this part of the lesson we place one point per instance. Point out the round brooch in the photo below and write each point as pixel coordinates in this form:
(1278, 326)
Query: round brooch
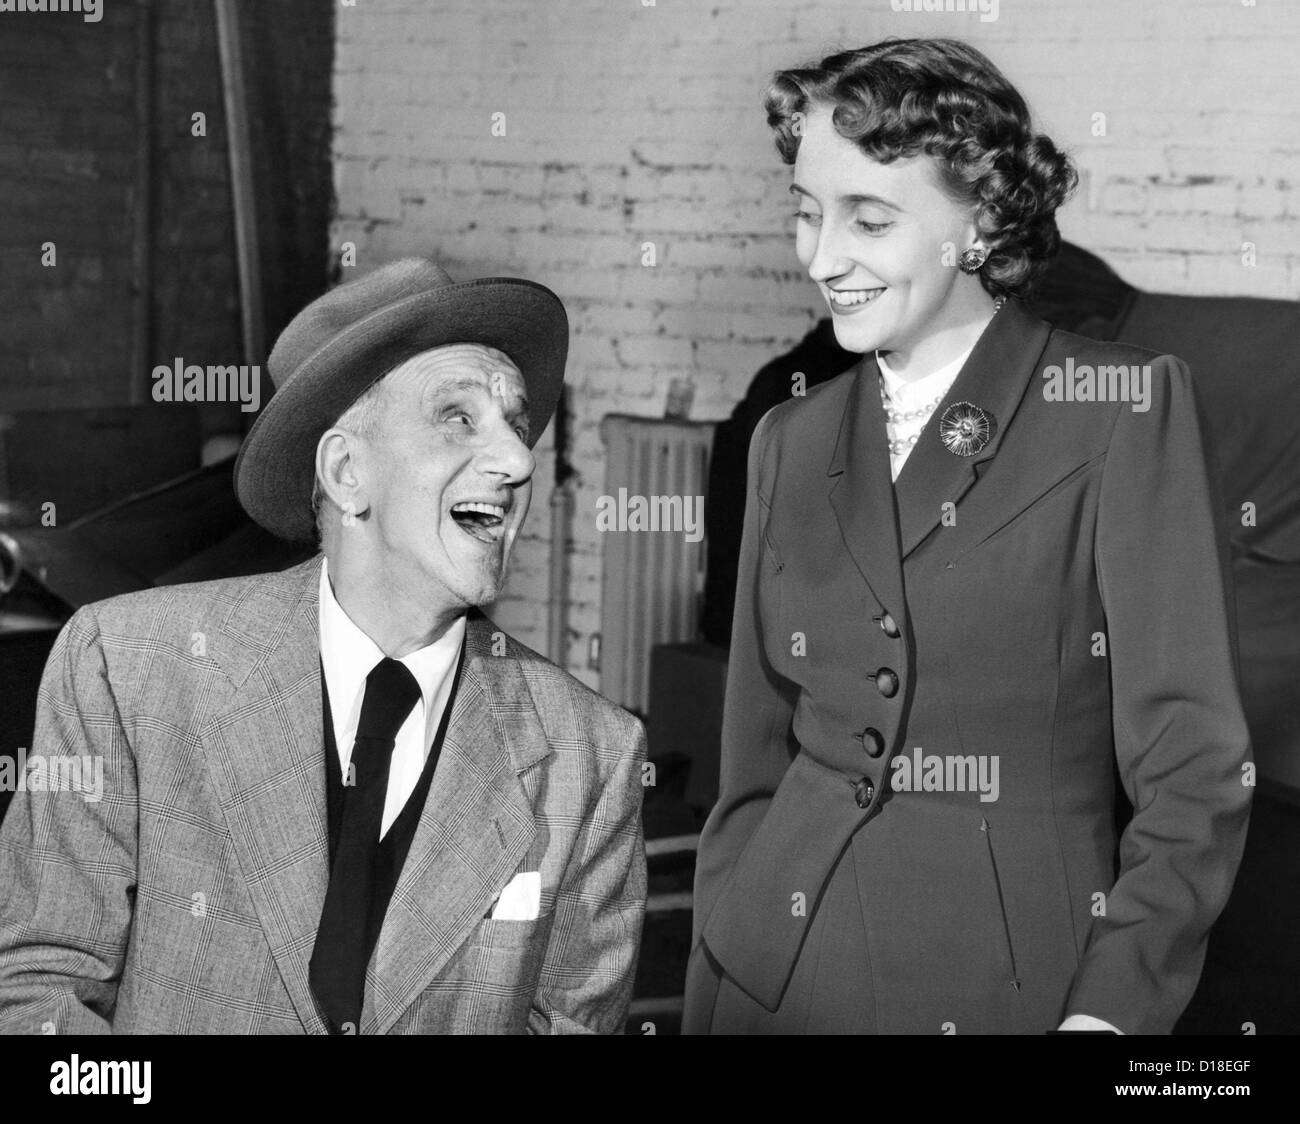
(965, 429)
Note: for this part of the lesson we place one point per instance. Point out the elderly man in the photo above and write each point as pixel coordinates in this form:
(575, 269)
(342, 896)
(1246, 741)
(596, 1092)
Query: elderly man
(338, 799)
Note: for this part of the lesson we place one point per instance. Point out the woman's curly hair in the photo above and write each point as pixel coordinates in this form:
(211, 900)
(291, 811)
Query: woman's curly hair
(942, 97)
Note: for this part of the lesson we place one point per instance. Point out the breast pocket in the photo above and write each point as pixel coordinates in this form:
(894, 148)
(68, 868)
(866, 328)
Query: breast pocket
(1029, 527)
(513, 936)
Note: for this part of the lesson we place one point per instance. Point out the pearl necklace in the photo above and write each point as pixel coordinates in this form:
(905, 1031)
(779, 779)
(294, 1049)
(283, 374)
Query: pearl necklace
(894, 417)
(898, 446)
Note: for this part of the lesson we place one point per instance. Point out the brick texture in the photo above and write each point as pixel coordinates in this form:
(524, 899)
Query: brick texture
(68, 175)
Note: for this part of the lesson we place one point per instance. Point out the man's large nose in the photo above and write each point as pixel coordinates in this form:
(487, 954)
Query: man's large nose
(507, 455)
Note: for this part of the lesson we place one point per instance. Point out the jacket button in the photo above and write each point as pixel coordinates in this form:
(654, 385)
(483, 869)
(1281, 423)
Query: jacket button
(863, 791)
(886, 682)
(887, 626)
(872, 742)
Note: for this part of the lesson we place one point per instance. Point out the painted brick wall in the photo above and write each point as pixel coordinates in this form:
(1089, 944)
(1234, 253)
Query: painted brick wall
(68, 174)
(66, 168)
(630, 122)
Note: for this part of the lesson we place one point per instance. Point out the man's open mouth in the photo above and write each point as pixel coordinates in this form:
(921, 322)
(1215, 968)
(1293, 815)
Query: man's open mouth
(483, 521)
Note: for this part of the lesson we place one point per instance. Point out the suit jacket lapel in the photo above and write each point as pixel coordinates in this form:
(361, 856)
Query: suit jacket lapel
(994, 378)
(861, 491)
(475, 829)
(264, 742)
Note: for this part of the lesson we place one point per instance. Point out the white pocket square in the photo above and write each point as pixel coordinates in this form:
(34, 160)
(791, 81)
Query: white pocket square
(521, 900)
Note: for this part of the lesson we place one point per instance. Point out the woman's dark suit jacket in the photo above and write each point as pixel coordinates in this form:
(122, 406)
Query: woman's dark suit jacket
(988, 586)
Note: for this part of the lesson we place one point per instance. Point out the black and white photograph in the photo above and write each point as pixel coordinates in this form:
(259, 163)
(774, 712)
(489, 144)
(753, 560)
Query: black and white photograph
(651, 518)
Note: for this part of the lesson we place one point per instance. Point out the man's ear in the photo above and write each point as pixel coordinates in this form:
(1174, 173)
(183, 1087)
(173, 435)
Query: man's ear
(340, 469)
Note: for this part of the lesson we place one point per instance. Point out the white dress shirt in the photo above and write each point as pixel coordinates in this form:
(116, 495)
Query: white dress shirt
(912, 396)
(348, 656)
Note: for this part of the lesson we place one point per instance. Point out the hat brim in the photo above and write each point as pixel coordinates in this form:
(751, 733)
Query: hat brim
(276, 466)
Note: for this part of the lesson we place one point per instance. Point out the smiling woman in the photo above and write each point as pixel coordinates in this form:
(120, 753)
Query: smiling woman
(901, 180)
(941, 562)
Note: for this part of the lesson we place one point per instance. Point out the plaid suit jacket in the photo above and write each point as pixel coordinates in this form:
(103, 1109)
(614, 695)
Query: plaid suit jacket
(187, 899)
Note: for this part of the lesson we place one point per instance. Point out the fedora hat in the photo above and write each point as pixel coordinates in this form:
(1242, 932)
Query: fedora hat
(344, 341)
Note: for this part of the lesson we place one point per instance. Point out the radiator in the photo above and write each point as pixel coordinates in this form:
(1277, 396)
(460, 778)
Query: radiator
(652, 578)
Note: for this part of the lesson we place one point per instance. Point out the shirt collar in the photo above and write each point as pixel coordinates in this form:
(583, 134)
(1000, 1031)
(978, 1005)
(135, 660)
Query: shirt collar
(933, 385)
(349, 655)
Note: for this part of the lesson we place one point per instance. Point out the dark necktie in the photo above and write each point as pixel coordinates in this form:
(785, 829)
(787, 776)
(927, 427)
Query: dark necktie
(342, 950)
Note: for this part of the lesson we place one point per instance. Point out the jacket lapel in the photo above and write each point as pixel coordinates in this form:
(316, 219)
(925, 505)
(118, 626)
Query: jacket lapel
(475, 829)
(994, 378)
(861, 490)
(264, 743)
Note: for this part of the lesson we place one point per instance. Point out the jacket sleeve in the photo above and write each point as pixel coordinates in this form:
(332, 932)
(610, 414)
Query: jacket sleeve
(585, 985)
(1181, 740)
(68, 858)
(756, 737)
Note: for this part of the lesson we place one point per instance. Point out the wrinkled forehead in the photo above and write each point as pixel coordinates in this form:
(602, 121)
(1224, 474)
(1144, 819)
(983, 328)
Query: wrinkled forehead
(458, 366)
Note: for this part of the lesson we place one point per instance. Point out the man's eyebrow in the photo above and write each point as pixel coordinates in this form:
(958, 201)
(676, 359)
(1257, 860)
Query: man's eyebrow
(852, 199)
(457, 385)
(469, 384)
